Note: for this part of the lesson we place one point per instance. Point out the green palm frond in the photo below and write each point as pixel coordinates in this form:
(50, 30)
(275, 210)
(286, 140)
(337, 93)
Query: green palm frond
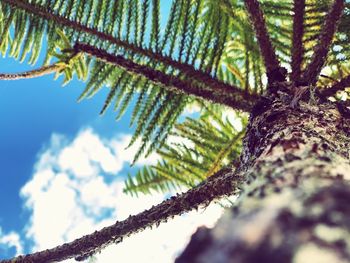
(148, 179)
(196, 149)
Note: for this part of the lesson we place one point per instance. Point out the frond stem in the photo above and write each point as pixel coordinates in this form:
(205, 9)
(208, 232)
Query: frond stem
(341, 85)
(273, 69)
(319, 56)
(223, 184)
(32, 73)
(298, 32)
(155, 56)
(223, 153)
(196, 85)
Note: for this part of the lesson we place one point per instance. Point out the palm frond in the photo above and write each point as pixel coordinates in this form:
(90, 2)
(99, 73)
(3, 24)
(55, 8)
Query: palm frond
(196, 149)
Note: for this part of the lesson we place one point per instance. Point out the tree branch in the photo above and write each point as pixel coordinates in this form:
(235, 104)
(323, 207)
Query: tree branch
(324, 42)
(341, 85)
(236, 98)
(273, 69)
(196, 84)
(225, 183)
(298, 32)
(49, 15)
(32, 73)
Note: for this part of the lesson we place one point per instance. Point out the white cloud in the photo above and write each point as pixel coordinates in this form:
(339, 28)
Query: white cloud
(11, 239)
(85, 153)
(74, 191)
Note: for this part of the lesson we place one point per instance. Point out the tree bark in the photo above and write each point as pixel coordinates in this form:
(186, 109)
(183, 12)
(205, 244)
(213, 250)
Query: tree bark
(294, 205)
(297, 40)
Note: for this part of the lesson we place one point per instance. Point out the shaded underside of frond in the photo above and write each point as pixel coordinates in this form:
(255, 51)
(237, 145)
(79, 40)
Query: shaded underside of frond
(244, 60)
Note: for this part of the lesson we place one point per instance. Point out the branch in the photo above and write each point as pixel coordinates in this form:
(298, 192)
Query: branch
(273, 69)
(48, 15)
(341, 85)
(226, 183)
(324, 42)
(43, 12)
(32, 73)
(196, 84)
(298, 32)
(231, 100)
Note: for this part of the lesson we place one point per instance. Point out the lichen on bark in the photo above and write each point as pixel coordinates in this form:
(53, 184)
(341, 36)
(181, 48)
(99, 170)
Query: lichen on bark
(295, 198)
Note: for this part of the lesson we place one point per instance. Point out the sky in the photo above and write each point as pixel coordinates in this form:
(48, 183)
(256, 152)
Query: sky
(62, 172)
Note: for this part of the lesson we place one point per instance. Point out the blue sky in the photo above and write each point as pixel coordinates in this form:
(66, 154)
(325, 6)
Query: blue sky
(62, 170)
(30, 111)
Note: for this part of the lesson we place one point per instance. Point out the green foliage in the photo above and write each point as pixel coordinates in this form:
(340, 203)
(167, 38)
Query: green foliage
(196, 149)
(242, 57)
(200, 40)
(70, 61)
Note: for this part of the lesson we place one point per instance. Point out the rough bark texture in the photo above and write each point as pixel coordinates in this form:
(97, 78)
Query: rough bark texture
(295, 203)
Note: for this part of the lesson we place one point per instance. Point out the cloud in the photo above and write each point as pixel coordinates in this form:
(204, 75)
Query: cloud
(88, 153)
(77, 187)
(10, 240)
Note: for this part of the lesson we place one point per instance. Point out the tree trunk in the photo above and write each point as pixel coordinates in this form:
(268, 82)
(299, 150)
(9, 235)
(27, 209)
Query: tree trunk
(294, 203)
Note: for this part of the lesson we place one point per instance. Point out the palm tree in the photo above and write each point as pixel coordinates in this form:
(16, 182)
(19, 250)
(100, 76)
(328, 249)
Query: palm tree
(285, 63)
